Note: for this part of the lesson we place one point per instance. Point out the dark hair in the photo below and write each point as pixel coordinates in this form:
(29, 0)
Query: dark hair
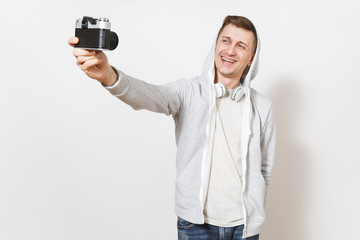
(240, 22)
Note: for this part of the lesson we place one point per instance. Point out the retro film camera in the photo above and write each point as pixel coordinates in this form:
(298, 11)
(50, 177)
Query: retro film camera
(95, 34)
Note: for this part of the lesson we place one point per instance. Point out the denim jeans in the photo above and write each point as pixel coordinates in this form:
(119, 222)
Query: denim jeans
(189, 231)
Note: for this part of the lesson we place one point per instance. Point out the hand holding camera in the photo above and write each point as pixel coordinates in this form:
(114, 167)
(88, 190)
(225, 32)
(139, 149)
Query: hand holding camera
(88, 43)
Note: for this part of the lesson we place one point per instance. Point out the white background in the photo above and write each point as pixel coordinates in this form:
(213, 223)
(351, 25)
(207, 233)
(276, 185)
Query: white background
(76, 163)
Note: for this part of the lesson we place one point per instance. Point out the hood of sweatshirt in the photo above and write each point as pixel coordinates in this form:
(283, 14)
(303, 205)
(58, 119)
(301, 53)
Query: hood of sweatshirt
(209, 65)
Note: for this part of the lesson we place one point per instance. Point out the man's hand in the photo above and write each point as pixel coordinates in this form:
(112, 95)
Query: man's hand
(94, 63)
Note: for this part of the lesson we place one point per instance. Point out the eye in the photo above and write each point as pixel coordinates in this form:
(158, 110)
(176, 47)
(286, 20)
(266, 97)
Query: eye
(241, 46)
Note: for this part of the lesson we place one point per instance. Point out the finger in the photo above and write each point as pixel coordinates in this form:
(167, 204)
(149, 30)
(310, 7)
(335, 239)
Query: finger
(82, 59)
(102, 56)
(99, 53)
(73, 40)
(83, 52)
(89, 63)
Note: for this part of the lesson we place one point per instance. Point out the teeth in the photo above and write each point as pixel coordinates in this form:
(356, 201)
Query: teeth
(227, 60)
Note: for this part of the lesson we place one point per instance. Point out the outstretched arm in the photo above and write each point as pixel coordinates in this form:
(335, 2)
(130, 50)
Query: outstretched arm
(138, 94)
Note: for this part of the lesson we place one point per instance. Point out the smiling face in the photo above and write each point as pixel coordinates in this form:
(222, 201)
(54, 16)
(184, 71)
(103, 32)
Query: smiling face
(234, 51)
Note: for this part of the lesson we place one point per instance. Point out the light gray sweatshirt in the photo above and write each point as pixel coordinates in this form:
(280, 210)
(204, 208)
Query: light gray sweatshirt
(192, 106)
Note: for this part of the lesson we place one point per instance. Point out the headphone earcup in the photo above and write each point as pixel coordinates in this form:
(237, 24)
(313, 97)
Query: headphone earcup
(237, 94)
(220, 90)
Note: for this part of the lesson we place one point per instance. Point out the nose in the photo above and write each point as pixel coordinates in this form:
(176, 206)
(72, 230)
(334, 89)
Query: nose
(231, 49)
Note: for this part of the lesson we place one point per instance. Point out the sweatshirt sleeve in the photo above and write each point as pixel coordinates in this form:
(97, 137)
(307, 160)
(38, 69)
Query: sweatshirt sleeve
(268, 141)
(142, 95)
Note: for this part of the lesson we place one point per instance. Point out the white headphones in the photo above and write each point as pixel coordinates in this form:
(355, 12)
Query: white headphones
(220, 91)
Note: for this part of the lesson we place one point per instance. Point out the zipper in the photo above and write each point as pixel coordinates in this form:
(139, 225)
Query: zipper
(243, 203)
(244, 233)
(245, 168)
(205, 151)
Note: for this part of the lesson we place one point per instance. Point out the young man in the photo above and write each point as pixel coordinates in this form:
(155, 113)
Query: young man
(225, 133)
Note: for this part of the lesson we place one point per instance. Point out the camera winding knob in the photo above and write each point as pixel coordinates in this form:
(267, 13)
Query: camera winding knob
(103, 19)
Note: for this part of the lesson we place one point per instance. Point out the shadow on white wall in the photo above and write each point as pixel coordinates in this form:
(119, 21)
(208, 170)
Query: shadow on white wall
(287, 200)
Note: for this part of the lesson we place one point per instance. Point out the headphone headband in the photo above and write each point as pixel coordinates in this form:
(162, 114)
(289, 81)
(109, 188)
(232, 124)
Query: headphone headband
(221, 91)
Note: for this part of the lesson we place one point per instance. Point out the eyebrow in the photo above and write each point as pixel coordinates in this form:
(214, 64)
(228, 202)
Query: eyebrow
(237, 42)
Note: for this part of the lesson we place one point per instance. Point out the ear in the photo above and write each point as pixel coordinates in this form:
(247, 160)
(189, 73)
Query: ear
(251, 60)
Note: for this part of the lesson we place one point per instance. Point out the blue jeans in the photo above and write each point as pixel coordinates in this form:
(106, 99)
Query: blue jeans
(190, 231)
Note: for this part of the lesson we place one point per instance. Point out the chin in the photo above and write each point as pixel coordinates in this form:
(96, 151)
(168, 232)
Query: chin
(226, 73)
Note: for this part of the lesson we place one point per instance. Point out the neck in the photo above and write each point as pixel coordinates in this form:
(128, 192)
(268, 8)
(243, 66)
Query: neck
(228, 82)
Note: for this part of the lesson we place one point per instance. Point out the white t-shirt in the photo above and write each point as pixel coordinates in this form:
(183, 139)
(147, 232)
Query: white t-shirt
(223, 205)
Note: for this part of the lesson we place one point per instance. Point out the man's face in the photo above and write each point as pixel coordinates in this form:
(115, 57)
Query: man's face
(234, 51)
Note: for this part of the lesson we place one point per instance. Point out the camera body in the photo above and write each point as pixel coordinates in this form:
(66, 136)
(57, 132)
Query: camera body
(95, 34)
